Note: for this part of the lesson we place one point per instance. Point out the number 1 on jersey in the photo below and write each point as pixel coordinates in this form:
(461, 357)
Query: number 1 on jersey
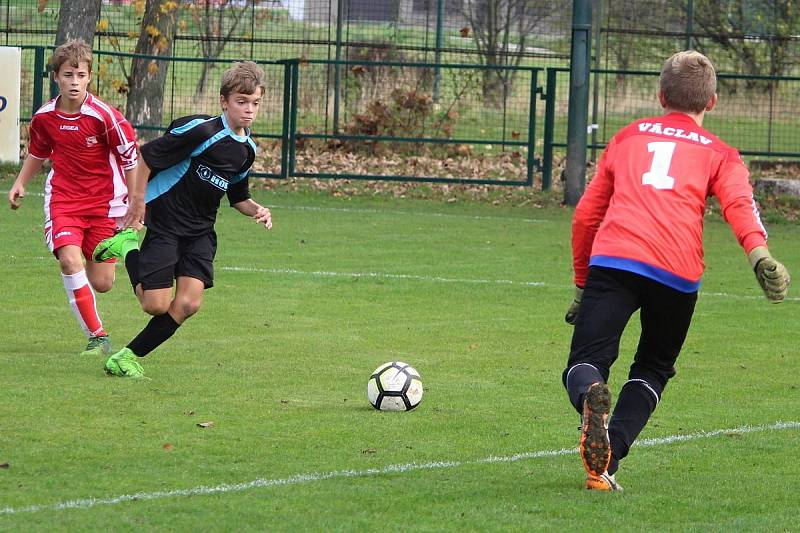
(658, 175)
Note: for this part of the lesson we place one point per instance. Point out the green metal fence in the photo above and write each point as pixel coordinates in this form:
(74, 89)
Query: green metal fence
(390, 110)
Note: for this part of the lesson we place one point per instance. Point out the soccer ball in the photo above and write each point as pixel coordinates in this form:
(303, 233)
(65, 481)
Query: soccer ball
(394, 386)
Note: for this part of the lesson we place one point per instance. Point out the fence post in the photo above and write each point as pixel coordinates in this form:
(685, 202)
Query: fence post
(549, 125)
(38, 77)
(689, 24)
(293, 117)
(437, 77)
(532, 125)
(287, 110)
(337, 71)
(577, 115)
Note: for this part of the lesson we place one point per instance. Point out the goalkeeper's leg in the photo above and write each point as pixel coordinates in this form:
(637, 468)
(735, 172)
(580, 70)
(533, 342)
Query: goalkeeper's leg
(665, 316)
(609, 299)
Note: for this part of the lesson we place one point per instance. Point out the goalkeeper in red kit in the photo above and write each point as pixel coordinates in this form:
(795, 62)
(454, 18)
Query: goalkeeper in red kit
(637, 245)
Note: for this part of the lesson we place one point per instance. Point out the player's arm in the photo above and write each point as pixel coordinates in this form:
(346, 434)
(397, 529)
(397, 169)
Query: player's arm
(137, 183)
(251, 208)
(589, 214)
(30, 167)
(239, 198)
(732, 187)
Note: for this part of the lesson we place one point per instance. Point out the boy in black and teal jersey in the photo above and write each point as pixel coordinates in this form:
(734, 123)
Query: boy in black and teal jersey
(182, 178)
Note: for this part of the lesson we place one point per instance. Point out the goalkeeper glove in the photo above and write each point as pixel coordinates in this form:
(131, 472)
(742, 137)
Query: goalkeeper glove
(572, 313)
(771, 275)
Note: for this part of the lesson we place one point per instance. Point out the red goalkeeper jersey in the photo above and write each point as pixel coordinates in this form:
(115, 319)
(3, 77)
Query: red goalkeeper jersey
(89, 150)
(643, 211)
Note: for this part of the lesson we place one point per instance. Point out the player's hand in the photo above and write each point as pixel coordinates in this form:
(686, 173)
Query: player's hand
(263, 216)
(15, 196)
(771, 275)
(134, 218)
(572, 313)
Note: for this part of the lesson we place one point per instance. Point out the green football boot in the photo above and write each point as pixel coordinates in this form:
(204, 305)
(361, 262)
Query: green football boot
(116, 246)
(124, 364)
(100, 345)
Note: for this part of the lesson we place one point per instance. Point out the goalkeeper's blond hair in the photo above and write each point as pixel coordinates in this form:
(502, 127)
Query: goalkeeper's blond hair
(688, 81)
(245, 77)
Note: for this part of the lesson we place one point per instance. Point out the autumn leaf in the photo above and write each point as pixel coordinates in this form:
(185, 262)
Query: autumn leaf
(102, 25)
(515, 135)
(465, 31)
(152, 68)
(6, 465)
(168, 447)
(42, 5)
(205, 424)
(152, 31)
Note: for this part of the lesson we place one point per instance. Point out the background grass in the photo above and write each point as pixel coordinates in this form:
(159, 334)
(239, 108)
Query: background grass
(279, 356)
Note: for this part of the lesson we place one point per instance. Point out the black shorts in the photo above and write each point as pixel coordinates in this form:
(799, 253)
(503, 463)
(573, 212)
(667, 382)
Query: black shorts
(164, 257)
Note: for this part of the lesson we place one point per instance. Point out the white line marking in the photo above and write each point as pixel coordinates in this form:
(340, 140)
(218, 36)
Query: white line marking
(412, 277)
(405, 213)
(378, 275)
(389, 469)
(370, 211)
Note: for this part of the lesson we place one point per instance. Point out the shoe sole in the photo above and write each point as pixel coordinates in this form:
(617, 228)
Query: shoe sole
(595, 447)
(600, 484)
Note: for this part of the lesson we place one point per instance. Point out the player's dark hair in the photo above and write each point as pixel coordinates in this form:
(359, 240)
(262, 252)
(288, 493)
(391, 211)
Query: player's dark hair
(688, 81)
(245, 77)
(73, 52)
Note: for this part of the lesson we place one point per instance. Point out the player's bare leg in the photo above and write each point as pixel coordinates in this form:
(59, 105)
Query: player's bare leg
(81, 299)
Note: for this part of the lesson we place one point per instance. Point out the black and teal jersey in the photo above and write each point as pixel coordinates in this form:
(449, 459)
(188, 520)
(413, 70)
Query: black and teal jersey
(193, 165)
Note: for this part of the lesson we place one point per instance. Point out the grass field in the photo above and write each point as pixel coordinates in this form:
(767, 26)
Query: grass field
(472, 295)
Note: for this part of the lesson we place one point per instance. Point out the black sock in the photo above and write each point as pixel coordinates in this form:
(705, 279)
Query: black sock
(132, 266)
(577, 379)
(159, 329)
(635, 404)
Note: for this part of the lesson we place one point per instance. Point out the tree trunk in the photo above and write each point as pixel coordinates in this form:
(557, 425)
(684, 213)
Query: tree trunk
(77, 19)
(148, 76)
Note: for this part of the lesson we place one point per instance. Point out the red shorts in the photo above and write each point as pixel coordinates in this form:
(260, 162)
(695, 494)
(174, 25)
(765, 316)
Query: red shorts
(84, 232)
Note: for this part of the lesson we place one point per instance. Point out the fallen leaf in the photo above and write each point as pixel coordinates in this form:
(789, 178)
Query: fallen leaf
(205, 424)
(465, 31)
(368, 450)
(168, 447)
(5, 465)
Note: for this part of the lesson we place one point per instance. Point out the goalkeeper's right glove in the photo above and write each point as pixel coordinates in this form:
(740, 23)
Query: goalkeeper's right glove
(771, 275)
(572, 313)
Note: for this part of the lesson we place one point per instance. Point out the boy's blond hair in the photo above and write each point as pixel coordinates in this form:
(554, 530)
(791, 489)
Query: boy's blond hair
(688, 81)
(73, 52)
(244, 77)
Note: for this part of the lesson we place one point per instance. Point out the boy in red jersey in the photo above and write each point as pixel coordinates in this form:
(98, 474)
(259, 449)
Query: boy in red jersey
(637, 244)
(93, 152)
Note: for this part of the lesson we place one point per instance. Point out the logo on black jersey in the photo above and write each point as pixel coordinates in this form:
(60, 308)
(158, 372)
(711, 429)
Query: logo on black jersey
(206, 174)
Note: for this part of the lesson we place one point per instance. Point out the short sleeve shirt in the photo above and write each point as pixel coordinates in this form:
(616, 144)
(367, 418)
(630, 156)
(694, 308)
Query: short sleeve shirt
(197, 162)
(90, 150)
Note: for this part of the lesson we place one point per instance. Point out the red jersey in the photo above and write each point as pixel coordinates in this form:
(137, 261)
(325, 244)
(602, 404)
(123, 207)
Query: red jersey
(90, 150)
(643, 211)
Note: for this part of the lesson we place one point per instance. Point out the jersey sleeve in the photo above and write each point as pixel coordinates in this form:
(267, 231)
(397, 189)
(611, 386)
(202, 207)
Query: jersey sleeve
(239, 191)
(121, 140)
(732, 188)
(40, 145)
(177, 144)
(590, 213)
